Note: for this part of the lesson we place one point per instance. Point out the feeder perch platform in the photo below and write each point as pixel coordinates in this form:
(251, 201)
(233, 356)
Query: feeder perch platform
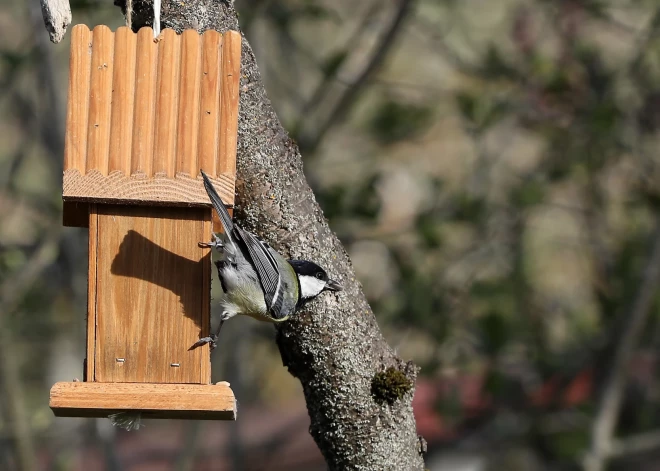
(144, 115)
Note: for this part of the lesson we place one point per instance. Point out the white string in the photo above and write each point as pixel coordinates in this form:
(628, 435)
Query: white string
(156, 18)
(129, 14)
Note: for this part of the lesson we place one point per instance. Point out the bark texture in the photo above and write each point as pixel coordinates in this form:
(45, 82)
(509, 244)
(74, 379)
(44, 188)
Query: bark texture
(57, 17)
(358, 391)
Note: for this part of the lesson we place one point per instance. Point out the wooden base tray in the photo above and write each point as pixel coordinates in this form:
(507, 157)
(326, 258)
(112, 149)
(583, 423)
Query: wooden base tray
(161, 401)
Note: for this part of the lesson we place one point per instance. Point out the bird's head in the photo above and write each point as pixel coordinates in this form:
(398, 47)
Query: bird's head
(313, 279)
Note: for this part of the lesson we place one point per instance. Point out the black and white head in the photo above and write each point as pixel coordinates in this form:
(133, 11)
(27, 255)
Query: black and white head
(313, 279)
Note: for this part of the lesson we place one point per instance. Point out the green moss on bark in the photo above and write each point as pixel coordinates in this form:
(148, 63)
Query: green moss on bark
(390, 386)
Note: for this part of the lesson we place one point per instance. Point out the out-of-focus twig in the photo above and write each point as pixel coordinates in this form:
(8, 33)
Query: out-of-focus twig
(308, 143)
(12, 292)
(50, 105)
(609, 404)
(186, 459)
(635, 444)
(323, 87)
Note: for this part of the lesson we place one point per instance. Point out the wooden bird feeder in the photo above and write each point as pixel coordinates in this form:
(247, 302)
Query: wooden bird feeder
(144, 115)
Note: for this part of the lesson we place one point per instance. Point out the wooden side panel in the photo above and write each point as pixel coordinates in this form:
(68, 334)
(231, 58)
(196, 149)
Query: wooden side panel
(206, 296)
(123, 97)
(180, 401)
(167, 102)
(231, 71)
(209, 120)
(145, 98)
(188, 122)
(100, 100)
(92, 280)
(152, 296)
(75, 139)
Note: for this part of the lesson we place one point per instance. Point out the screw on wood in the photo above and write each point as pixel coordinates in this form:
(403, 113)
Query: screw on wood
(176, 365)
(120, 360)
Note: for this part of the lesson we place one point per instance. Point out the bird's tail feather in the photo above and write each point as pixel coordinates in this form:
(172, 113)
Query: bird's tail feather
(128, 420)
(217, 203)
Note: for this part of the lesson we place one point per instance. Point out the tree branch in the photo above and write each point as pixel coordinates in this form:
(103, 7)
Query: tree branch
(334, 347)
(309, 142)
(635, 444)
(12, 293)
(57, 17)
(609, 405)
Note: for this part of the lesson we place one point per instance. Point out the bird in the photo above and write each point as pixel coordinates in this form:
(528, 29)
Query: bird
(256, 280)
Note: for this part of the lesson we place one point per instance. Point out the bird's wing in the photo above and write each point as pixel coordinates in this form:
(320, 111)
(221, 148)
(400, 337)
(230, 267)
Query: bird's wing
(218, 204)
(263, 259)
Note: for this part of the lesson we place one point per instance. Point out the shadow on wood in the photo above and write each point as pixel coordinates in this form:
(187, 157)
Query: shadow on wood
(151, 300)
(140, 258)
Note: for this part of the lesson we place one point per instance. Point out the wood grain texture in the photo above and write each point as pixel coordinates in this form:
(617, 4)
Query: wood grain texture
(75, 138)
(142, 112)
(152, 295)
(209, 121)
(160, 190)
(206, 290)
(181, 401)
(145, 99)
(189, 96)
(231, 71)
(167, 102)
(123, 98)
(91, 293)
(100, 100)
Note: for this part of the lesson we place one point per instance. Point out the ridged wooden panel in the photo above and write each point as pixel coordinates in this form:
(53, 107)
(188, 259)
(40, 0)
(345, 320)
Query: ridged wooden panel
(144, 116)
(100, 99)
(231, 71)
(188, 122)
(145, 97)
(209, 118)
(75, 142)
(123, 100)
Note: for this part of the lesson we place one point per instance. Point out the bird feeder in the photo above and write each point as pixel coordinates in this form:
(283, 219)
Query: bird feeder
(144, 115)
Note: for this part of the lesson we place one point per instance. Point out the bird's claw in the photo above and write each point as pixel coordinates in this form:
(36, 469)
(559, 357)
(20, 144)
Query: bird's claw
(212, 340)
(216, 243)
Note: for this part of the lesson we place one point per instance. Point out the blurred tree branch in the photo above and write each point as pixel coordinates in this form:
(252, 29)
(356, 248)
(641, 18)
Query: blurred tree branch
(609, 404)
(330, 72)
(635, 444)
(12, 292)
(309, 140)
(185, 461)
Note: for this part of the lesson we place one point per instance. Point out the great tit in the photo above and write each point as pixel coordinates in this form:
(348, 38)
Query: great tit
(256, 280)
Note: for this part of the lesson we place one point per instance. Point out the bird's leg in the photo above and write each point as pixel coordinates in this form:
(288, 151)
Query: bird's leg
(216, 243)
(211, 339)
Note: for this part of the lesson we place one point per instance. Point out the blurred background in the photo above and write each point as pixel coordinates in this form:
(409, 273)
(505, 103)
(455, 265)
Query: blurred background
(492, 169)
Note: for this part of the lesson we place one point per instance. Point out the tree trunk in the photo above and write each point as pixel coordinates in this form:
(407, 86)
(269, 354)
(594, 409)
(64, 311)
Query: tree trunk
(358, 391)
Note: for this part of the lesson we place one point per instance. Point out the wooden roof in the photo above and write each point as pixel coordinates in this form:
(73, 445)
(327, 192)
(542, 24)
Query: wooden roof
(144, 115)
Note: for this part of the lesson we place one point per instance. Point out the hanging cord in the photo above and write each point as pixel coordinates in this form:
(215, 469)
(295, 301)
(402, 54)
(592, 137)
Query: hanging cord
(129, 13)
(156, 18)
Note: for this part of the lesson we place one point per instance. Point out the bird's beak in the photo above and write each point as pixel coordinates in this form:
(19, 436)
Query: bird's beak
(332, 285)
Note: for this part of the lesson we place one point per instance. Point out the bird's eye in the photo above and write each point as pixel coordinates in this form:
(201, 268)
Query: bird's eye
(319, 275)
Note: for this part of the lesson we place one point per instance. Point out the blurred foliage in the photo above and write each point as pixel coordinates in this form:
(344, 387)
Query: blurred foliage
(394, 121)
